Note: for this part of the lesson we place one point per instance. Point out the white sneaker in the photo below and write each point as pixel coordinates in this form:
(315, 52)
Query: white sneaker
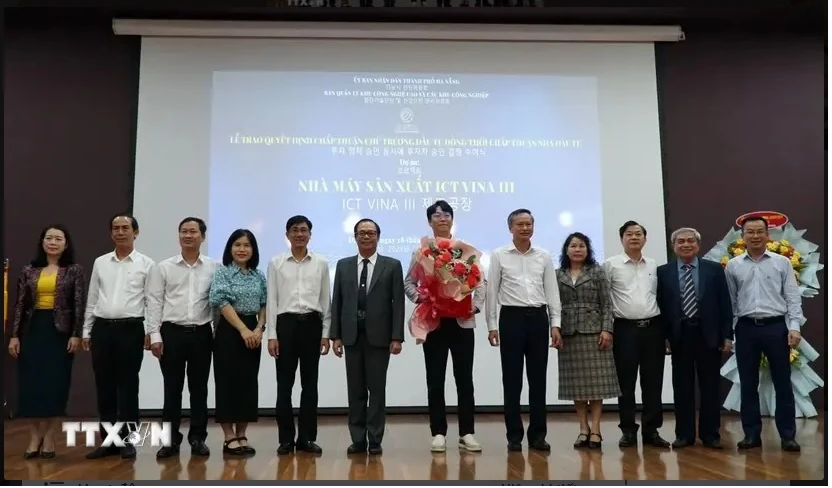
(470, 444)
(438, 444)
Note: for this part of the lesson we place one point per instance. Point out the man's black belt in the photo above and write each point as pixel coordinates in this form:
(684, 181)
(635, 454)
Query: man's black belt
(301, 317)
(636, 322)
(119, 321)
(764, 320)
(527, 310)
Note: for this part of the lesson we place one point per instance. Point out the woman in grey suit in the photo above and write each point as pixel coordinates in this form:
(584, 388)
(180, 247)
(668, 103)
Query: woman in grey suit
(585, 362)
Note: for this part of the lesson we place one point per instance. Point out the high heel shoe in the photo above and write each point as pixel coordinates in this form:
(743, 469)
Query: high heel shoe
(35, 453)
(47, 454)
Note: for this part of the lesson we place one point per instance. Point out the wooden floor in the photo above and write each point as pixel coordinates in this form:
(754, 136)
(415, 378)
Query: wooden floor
(407, 457)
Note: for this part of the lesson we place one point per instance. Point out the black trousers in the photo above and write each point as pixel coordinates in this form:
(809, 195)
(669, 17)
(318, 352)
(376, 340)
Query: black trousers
(449, 337)
(117, 349)
(693, 360)
(187, 352)
(769, 337)
(299, 338)
(366, 388)
(524, 334)
(639, 353)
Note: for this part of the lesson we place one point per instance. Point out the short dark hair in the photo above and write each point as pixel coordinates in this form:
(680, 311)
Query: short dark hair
(519, 211)
(133, 222)
(590, 253)
(68, 256)
(297, 220)
(355, 229)
(439, 205)
(627, 225)
(754, 218)
(227, 258)
(199, 222)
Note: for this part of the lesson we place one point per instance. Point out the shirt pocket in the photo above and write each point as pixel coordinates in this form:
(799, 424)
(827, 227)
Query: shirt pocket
(136, 279)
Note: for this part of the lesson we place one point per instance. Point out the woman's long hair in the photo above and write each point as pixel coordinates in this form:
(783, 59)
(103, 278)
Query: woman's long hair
(227, 258)
(590, 254)
(67, 257)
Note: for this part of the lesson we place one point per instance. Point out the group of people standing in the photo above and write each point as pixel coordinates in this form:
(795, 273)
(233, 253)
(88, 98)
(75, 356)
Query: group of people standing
(611, 322)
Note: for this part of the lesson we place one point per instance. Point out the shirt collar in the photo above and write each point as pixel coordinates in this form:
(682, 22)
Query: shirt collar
(372, 258)
(199, 260)
(766, 254)
(289, 257)
(627, 259)
(513, 248)
(129, 258)
(693, 264)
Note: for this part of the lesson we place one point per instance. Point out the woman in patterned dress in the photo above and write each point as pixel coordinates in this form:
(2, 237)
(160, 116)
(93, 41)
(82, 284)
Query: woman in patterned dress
(238, 291)
(586, 364)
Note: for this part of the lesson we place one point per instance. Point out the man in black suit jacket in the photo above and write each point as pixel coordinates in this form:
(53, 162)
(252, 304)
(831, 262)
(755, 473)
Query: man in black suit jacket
(368, 321)
(692, 294)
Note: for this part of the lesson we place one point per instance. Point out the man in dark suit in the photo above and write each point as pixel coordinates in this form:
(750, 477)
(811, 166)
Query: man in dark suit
(367, 321)
(693, 296)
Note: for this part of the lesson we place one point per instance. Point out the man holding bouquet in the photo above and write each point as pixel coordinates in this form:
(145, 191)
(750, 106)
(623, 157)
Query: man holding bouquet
(522, 285)
(454, 279)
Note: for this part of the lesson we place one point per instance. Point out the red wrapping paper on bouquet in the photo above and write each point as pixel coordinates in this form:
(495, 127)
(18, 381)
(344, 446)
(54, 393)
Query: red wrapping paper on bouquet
(446, 273)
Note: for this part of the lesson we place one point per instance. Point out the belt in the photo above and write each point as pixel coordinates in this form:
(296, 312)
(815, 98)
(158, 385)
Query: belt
(764, 320)
(302, 317)
(120, 321)
(638, 323)
(185, 326)
(527, 310)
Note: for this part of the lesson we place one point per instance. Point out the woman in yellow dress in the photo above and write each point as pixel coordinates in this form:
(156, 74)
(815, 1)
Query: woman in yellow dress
(46, 332)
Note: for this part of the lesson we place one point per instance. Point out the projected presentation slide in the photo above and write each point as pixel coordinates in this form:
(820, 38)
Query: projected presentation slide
(338, 147)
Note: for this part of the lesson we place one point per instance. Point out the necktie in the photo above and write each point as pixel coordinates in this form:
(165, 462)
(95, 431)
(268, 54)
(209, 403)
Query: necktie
(362, 287)
(689, 305)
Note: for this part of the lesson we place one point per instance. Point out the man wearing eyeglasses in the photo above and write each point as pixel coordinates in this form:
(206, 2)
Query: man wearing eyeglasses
(454, 337)
(367, 323)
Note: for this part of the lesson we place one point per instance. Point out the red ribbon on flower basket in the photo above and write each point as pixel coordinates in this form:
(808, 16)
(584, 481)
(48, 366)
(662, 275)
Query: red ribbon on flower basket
(446, 272)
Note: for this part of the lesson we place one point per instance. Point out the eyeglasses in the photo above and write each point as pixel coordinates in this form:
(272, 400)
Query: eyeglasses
(442, 215)
(367, 233)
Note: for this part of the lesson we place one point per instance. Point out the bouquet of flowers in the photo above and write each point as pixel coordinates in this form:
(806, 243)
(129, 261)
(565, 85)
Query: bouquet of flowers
(783, 248)
(447, 272)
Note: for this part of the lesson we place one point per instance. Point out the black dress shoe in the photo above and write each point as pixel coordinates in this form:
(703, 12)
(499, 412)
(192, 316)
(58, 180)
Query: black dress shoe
(199, 448)
(681, 442)
(101, 452)
(167, 451)
(47, 454)
(655, 440)
(712, 443)
(790, 445)
(749, 443)
(128, 452)
(515, 446)
(309, 447)
(375, 449)
(628, 440)
(285, 448)
(594, 441)
(247, 450)
(234, 451)
(357, 448)
(540, 445)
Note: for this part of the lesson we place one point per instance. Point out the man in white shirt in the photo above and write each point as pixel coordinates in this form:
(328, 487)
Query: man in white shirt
(639, 345)
(114, 329)
(455, 337)
(179, 322)
(297, 327)
(523, 292)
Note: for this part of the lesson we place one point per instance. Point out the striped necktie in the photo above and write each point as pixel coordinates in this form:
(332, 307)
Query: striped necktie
(689, 306)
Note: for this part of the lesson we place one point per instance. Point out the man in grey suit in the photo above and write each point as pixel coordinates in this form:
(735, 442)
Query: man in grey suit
(367, 321)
